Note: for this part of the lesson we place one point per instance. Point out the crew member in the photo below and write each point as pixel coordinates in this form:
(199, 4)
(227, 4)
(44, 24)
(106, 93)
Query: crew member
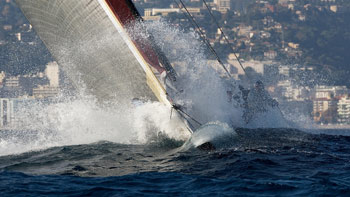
(258, 100)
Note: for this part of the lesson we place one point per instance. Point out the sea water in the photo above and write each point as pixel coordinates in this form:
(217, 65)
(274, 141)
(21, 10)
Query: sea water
(265, 164)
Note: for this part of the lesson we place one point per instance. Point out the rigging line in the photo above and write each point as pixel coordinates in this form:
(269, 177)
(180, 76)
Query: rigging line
(202, 35)
(225, 37)
(163, 59)
(178, 108)
(189, 126)
(228, 42)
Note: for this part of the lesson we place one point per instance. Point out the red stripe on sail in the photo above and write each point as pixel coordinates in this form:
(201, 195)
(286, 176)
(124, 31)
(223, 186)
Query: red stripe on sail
(126, 13)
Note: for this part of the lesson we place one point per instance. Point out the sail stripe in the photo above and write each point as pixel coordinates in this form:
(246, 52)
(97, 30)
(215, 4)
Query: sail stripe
(152, 81)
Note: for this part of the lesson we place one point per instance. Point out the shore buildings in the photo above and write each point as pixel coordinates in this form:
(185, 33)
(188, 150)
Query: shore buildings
(6, 107)
(223, 5)
(344, 110)
(17, 92)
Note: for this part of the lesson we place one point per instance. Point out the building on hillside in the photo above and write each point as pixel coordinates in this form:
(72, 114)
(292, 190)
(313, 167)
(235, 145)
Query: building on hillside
(7, 27)
(18, 36)
(11, 88)
(264, 34)
(296, 93)
(45, 91)
(293, 45)
(11, 111)
(270, 54)
(344, 110)
(283, 70)
(11, 82)
(5, 112)
(160, 11)
(286, 70)
(283, 3)
(329, 92)
(245, 31)
(257, 66)
(156, 13)
(223, 5)
(292, 92)
(325, 110)
(2, 76)
(29, 82)
(284, 83)
(52, 73)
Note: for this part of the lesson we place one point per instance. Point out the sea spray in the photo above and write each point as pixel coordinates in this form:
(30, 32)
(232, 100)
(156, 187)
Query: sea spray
(202, 91)
(83, 118)
(83, 121)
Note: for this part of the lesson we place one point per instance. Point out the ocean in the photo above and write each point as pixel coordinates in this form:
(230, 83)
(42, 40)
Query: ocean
(255, 162)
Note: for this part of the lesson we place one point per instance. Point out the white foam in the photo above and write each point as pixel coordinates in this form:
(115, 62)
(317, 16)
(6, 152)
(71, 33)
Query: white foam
(82, 121)
(204, 92)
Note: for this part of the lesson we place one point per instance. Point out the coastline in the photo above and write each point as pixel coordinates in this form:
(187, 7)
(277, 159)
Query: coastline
(332, 126)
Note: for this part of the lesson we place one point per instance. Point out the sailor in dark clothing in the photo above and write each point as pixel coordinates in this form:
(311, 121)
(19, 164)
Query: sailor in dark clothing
(244, 104)
(244, 96)
(256, 100)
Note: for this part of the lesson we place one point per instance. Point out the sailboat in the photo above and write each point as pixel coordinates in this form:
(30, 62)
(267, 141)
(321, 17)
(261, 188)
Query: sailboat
(91, 38)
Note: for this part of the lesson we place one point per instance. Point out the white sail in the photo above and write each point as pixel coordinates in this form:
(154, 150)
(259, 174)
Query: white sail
(86, 38)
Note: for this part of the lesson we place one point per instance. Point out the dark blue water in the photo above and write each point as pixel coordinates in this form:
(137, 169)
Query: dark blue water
(268, 163)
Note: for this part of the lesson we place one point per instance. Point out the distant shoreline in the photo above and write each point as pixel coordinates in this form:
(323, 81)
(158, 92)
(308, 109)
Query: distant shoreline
(334, 126)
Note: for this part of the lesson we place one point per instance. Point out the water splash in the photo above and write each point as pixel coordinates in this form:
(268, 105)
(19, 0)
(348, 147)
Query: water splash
(83, 121)
(203, 90)
(79, 118)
